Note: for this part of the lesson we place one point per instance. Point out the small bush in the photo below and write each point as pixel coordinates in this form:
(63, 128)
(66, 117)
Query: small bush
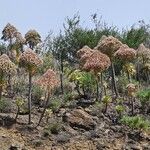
(37, 93)
(5, 106)
(144, 96)
(54, 128)
(55, 104)
(136, 122)
(20, 86)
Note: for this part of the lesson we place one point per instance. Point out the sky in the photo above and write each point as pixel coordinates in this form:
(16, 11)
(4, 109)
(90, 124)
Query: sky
(47, 15)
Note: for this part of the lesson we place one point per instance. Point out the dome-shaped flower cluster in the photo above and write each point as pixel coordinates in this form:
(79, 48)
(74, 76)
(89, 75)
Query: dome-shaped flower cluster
(29, 59)
(84, 53)
(48, 80)
(6, 66)
(32, 37)
(83, 50)
(19, 38)
(108, 45)
(9, 32)
(97, 62)
(125, 53)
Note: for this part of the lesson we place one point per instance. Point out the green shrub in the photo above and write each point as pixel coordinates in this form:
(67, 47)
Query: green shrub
(144, 96)
(54, 128)
(20, 86)
(37, 93)
(136, 122)
(55, 104)
(5, 106)
(120, 109)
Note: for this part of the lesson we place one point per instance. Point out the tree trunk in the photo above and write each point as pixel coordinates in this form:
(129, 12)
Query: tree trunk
(101, 85)
(97, 88)
(29, 97)
(0, 92)
(46, 104)
(113, 79)
(132, 106)
(129, 77)
(18, 110)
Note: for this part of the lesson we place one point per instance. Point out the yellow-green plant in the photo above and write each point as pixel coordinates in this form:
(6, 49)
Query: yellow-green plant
(106, 100)
(19, 103)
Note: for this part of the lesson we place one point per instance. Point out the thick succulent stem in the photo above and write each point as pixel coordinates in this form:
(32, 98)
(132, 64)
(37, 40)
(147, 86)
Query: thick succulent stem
(29, 97)
(46, 104)
(113, 79)
(97, 88)
(101, 85)
(132, 106)
(0, 92)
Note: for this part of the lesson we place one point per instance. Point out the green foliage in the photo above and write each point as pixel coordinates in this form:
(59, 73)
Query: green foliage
(55, 104)
(144, 96)
(47, 63)
(83, 79)
(54, 128)
(19, 102)
(135, 36)
(37, 93)
(106, 99)
(136, 122)
(20, 86)
(120, 109)
(4, 106)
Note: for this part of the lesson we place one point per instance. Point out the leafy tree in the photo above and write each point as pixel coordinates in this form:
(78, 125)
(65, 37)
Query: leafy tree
(136, 35)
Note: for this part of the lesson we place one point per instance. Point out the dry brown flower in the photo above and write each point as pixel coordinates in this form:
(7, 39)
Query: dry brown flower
(8, 32)
(108, 45)
(29, 59)
(48, 80)
(83, 50)
(131, 89)
(125, 53)
(19, 38)
(143, 52)
(6, 66)
(32, 38)
(97, 62)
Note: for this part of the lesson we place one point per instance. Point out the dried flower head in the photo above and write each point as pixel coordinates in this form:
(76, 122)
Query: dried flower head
(131, 89)
(32, 38)
(125, 53)
(143, 52)
(97, 62)
(29, 59)
(19, 38)
(8, 32)
(108, 45)
(83, 50)
(6, 66)
(48, 80)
